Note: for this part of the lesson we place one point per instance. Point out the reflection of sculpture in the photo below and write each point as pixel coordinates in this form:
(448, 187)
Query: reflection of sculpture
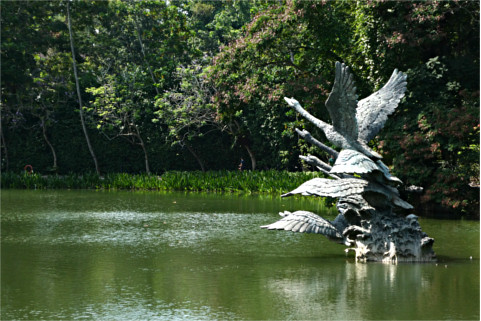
(365, 189)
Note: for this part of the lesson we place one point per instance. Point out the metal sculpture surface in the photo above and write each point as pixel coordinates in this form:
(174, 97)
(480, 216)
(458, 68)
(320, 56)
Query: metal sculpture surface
(367, 192)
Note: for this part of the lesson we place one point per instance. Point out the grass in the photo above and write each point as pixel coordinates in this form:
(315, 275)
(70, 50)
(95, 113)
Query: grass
(270, 182)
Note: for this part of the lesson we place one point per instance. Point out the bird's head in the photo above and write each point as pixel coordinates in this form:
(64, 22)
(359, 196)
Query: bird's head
(291, 101)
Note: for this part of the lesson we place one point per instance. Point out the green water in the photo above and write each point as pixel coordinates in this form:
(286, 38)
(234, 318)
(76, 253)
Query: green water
(70, 255)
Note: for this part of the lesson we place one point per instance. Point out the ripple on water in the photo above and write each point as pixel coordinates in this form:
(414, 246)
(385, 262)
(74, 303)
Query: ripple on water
(178, 229)
(132, 309)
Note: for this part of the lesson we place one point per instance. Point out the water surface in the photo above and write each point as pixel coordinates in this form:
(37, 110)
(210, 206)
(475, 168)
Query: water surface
(175, 256)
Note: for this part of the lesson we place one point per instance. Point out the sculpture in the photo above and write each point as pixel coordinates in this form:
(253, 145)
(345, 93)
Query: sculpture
(367, 192)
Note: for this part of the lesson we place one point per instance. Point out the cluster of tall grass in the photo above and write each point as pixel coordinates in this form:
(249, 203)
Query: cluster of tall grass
(270, 181)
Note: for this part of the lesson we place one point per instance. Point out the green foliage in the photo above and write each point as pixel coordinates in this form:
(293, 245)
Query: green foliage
(116, 102)
(217, 23)
(433, 138)
(405, 34)
(252, 75)
(269, 182)
(434, 142)
(187, 110)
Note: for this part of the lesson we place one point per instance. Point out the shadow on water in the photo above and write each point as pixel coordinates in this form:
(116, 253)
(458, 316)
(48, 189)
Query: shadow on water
(176, 256)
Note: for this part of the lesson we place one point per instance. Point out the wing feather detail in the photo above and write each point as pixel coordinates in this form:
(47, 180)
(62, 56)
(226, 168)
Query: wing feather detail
(305, 222)
(330, 187)
(353, 162)
(345, 187)
(342, 103)
(372, 111)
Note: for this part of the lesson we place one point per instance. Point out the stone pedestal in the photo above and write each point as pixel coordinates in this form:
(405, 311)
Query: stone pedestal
(392, 239)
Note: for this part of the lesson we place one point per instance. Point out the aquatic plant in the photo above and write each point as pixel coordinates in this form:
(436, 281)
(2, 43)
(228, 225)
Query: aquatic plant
(267, 182)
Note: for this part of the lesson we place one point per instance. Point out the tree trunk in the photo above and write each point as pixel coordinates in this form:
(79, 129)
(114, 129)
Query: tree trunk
(44, 131)
(244, 142)
(146, 158)
(191, 150)
(137, 29)
(252, 156)
(141, 143)
(74, 65)
(4, 145)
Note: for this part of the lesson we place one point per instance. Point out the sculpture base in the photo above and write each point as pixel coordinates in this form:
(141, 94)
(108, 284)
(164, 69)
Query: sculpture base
(392, 239)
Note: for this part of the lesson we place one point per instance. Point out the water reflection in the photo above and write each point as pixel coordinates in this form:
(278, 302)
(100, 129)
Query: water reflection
(366, 291)
(150, 258)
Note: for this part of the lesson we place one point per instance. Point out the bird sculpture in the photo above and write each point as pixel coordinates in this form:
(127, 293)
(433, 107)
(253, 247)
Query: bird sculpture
(355, 123)
(367, 192)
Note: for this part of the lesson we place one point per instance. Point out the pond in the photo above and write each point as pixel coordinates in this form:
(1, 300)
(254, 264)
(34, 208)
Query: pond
(70, 255)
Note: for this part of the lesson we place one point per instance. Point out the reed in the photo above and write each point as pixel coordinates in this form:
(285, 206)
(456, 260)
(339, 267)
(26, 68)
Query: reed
(266, 182)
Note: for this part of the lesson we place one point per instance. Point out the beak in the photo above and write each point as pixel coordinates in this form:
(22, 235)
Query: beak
(290, 101)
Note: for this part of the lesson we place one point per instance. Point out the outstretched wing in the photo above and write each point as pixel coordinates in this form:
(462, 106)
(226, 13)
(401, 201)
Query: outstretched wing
(342, 103)
(305, 222)
(372, 112)
(330, 187)
(344, 187)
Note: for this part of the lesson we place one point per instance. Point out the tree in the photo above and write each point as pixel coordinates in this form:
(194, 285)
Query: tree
(215, 24)
(280, 54)
(117, 104)
(132, 72)
(21, 30)
(433, 139)
(437, 146)
(49, 92)
(188, 110)
(79, 94)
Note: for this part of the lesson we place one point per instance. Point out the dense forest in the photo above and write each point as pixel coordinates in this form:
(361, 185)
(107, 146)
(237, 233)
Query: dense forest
(154, 86)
